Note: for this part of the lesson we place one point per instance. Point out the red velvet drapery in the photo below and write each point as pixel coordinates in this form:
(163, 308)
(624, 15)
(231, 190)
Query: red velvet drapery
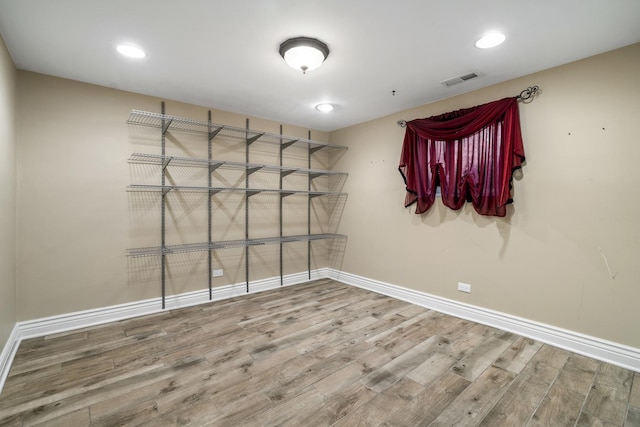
(470, 153)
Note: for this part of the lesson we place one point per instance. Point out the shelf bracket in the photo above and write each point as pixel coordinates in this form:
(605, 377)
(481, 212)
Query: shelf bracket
(253, 192)
(213, 133)
(213, 191)
(165, 162)
(288, 144)
(165, 190)
(165, 125)
(314, 149)
(253, 169)
(214, 166)
(286, 193)
(315, 175)
(286, 172)
(254, 138)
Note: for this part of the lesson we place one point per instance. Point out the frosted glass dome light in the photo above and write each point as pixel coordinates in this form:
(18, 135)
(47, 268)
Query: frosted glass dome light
(304, 53)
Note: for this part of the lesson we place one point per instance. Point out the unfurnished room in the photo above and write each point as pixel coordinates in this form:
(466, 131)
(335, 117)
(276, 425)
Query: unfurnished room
(304, 213)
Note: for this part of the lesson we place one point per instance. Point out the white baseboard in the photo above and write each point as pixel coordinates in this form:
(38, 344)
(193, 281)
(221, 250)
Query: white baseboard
(596, 348)
(7, 354)
(82, 319)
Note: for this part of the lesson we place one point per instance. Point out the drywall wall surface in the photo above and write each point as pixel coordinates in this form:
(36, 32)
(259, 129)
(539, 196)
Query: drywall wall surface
(76, 218)
(7, 194)
(567, 253)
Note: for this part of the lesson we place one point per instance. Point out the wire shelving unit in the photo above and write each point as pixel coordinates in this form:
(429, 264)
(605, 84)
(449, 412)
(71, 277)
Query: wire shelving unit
(167, 123)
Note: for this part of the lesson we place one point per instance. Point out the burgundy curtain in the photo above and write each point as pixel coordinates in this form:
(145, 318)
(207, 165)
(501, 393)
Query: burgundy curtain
(470, 153)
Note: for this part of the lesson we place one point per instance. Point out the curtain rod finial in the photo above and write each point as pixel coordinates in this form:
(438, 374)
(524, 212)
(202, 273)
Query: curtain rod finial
(402, 123)
(528, 93)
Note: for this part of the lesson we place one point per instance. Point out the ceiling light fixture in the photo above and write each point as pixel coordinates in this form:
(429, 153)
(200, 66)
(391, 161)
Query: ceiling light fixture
(304, 53)
(325, 108)
(131, 51)
(490, 40)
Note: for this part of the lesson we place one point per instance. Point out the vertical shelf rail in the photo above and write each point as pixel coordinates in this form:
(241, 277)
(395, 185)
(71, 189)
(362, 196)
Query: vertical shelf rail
(210, 136)
(249, 169)
(309, 208)
(283, 172)
(280, 210)
(165, 126)
(246, 204)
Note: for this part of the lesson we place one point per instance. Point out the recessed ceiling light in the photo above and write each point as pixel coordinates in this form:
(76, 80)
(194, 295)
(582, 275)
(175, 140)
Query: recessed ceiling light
(490, 40)
(131, 51)
(325, 108)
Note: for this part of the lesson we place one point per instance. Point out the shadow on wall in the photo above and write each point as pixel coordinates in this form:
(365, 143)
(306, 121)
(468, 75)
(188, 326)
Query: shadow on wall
(337, 248)
(440, 214)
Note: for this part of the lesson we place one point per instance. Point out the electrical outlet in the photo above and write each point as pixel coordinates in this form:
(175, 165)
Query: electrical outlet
(464, 287)
(218, 273)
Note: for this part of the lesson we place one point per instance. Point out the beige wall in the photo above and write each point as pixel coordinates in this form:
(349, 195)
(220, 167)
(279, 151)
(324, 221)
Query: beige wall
(76, 219)
(577, 195)
(7, 195)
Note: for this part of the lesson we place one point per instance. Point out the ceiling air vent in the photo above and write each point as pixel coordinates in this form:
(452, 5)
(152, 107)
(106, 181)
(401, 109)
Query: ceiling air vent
(460, 79)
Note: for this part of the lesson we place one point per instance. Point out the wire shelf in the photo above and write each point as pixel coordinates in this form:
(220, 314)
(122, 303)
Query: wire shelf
(166, 123)
(160, 160)
(157, 159)
(250, 191)
(204, 246)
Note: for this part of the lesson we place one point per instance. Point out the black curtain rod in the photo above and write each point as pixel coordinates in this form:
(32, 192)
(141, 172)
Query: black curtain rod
(525, 95)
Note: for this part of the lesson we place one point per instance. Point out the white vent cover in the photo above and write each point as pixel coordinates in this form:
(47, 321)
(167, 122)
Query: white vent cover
(460, 79)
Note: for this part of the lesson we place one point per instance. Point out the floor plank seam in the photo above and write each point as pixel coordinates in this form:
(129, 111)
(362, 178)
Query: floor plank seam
(551, 383)
(586, 397)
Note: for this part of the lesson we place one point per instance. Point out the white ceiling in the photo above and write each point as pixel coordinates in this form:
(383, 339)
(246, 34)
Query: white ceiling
(224, 54)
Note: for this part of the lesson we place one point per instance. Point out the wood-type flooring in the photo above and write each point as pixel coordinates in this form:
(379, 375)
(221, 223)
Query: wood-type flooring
(316, 354)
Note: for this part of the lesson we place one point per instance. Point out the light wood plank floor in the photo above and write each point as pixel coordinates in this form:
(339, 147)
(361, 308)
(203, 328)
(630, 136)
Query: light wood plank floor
(318, 354)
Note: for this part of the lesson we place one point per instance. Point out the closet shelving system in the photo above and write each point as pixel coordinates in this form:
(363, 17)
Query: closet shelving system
(166, 123)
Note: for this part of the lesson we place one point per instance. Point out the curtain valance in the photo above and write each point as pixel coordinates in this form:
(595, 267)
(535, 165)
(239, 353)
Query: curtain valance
(470, 154)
